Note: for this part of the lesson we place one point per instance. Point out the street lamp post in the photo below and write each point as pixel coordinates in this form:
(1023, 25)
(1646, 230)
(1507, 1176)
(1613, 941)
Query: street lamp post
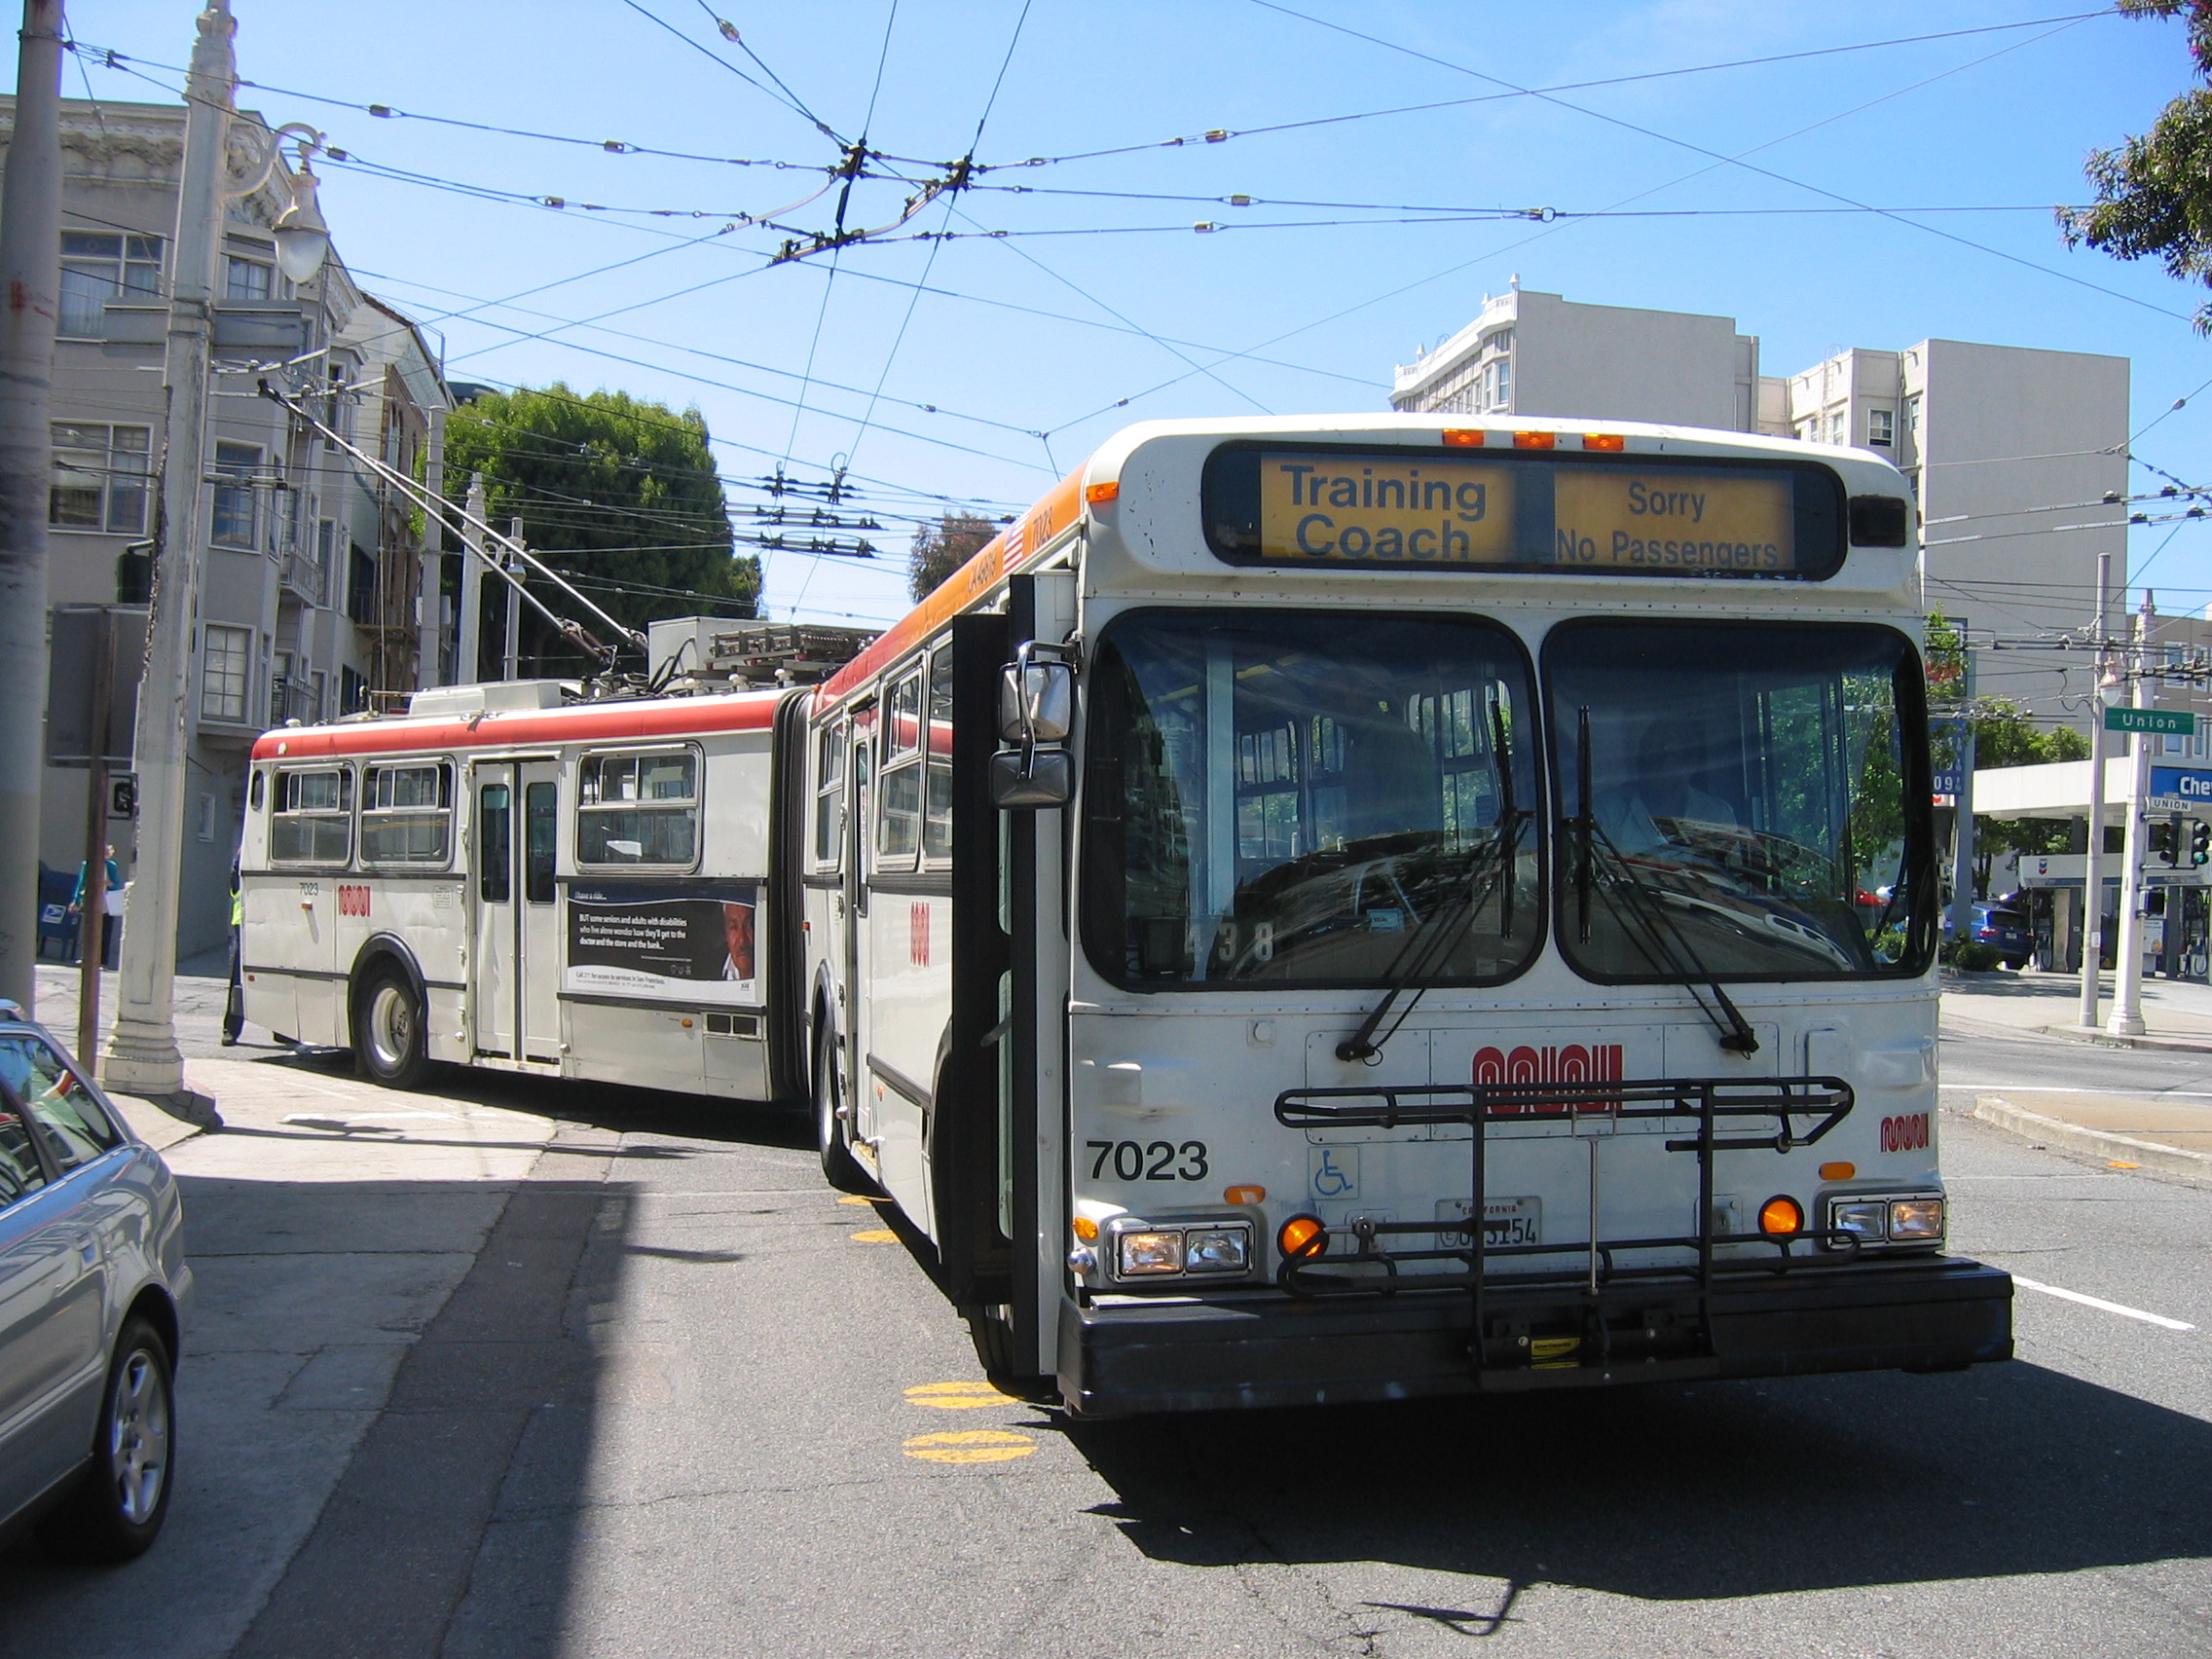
(142, 1056)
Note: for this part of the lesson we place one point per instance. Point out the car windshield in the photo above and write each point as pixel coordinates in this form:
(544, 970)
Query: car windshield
(1748, 811)
(1295, 798)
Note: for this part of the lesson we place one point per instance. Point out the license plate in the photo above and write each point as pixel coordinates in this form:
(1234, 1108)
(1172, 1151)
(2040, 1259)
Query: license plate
(1505, 1221)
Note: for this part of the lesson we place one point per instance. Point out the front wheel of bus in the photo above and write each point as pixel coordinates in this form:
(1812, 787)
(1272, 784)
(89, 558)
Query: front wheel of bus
(839, 1167)
(389, 1031)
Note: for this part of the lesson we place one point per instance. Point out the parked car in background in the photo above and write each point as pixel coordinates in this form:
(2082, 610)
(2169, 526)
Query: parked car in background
(2004, 927)
(93, 1287)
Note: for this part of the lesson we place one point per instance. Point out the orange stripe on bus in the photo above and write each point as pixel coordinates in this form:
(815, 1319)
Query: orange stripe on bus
(580, 722)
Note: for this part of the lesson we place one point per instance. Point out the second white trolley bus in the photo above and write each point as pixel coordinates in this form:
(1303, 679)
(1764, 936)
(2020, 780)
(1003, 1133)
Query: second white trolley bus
(1320, 910)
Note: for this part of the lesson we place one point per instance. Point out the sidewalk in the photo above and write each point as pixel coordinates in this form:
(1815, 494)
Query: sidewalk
(2176, 1012)
(327, 1222)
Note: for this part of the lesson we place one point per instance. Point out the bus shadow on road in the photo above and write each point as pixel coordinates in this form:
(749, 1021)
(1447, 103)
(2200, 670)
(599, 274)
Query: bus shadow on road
(1731, 1489)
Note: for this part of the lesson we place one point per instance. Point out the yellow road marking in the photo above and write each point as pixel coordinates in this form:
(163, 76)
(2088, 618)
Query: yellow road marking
(957, 1396)
(2117, 1165)
(876, 1235)
(855, 1199)
(973, 1446)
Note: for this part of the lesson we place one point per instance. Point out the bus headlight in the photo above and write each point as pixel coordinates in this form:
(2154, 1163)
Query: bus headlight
(1868, 1222)
(1917, 1220)
(1217, 1249)
(1155, 1251)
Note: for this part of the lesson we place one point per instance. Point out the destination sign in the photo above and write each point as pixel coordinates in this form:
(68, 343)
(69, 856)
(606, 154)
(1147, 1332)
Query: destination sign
(1411, 510)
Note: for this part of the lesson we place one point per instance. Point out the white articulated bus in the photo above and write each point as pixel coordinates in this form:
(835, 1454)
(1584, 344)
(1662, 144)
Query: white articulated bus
(1335, 909)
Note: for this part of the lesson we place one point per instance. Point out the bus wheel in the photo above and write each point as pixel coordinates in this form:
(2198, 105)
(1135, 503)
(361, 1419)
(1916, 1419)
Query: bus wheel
(839, 1167)
(388, 1033)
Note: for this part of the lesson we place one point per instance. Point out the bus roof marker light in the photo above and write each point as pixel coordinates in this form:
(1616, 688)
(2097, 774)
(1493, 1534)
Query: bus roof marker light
(1102, 494)
(1612, 441)
(1460, 437)
(1535, 440)
(1781, 1215)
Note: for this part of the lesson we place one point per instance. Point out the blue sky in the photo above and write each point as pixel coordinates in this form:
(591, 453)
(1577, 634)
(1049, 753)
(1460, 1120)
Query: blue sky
(1097, 298)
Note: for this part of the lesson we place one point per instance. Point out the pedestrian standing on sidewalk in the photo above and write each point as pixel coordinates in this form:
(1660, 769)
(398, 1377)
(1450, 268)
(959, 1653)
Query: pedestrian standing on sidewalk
(111, 935)
(233, 1006)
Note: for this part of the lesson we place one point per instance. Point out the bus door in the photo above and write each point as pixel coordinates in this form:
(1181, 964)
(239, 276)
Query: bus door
(492, 982)
(515, 988)
(852, 1022)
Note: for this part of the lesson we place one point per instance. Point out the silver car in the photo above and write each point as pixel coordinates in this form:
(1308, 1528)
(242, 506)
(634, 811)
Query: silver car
(93, 1282)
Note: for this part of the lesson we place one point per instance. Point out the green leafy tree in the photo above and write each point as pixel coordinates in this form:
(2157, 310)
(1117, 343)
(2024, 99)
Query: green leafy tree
(2004, 735)
(943, 547)
(2155, 192)
(619, 492)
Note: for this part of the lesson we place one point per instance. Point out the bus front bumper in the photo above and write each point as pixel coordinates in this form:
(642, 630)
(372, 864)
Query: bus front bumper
(1935, 1313)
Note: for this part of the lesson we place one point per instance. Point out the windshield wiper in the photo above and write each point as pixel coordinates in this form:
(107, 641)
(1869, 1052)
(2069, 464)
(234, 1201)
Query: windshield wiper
(1654, 931)
(1421, 960)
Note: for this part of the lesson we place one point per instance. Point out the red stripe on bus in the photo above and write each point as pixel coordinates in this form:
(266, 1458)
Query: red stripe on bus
(583, 723)
(1000, 557)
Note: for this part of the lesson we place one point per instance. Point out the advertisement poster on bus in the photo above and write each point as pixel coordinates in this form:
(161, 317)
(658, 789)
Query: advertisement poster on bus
(642, 939)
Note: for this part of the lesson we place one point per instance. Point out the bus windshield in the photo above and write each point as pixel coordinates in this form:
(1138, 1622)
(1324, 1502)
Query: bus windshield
(1750, 809)
(1310, 799)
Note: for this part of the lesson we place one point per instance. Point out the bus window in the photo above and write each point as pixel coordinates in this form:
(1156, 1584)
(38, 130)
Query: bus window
(254, 789)
(540, 808)
(407, 814)
(1307, 799)
(829, 792)
(1747, 787)
(937, 821)
(495, 844)
(898, 790)
(638, 810)
(313, 820)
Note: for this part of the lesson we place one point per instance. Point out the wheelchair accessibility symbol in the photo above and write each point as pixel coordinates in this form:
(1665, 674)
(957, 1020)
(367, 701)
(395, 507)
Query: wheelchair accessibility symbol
(1335, 1171)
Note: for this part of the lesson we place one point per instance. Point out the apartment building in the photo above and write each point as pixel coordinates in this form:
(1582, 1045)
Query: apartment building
(2016, 455)
(313, 569)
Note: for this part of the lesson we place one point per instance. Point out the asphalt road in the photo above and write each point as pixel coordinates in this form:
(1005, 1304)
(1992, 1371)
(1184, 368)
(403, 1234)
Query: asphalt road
(690, 1402)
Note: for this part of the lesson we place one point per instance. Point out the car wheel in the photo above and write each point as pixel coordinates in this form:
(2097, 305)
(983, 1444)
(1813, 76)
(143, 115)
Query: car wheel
(2015, 963)
(388, 1033)
(839, 1167)
(116, 1511)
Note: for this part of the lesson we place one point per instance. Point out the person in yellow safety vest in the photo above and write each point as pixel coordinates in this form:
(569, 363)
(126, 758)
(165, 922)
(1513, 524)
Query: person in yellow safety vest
(233, 1007)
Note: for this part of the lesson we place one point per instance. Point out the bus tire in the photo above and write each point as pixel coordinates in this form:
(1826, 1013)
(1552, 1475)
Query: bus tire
(839, 1167)
(389, 1035)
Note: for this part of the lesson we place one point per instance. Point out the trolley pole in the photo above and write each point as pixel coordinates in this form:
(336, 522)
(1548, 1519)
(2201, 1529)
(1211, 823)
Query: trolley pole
(513, 661)
(467, 648)
(142, 1056)
(2093, 866)
(2127, 967)
(30, 274)
(429, 590)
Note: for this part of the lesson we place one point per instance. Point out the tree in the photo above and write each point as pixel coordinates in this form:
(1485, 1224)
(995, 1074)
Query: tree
(2154, 193)
(620, 492)
(2004, 735)
(943, 547)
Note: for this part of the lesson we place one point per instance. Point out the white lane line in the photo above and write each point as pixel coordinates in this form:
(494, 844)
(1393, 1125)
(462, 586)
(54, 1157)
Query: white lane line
(2097, 1302)
(2053, 1088)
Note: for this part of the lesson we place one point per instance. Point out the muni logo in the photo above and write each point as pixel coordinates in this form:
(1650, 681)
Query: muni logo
(918, 936)
(1572, 1062)
(353, 898)
(1909, 1133)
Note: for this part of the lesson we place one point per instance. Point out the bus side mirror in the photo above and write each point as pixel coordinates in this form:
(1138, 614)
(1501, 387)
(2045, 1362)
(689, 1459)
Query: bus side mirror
(1024, 781)
(1036, 700)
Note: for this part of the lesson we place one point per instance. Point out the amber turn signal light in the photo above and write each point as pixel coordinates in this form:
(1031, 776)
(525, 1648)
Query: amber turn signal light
(1838, 1172)
(1098, 494)
(1086, 1228)
(1244, 1196)
(1301, 1236)
(1781, 1214)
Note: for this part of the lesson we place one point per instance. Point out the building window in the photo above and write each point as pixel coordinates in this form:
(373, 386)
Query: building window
(225, 655)
(1881, 427)
(235, 465)
(99, 477)
(352, 692)
(99, 268)
(1912, 417)
(362, 587)
(1504, 398)
(1839, 428)
(248, 282)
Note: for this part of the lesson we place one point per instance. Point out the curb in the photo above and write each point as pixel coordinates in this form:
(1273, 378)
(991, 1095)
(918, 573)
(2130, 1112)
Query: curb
(2098, 1034)
(1996, 1110)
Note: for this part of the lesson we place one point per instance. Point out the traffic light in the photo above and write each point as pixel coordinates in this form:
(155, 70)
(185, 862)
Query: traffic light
(2199, 842)
(2165, 840)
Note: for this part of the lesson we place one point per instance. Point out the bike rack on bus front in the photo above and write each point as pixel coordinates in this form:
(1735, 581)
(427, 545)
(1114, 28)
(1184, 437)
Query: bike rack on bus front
(1708, 1101)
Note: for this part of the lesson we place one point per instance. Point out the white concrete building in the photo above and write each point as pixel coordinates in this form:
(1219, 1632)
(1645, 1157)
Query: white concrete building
(312, 572)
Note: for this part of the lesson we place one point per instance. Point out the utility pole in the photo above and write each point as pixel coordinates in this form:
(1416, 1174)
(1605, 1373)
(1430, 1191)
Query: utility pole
(91, 909)
(514, 607)
(30, 275)
(1962, 813)
(2127, 967)
(430, 630)
(467, 650)
(2093, 866)
(142, 1056)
